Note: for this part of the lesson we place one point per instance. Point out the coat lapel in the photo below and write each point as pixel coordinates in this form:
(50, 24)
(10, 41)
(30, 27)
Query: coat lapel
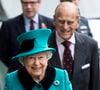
(79, 56)
(21, 24)
(40, 20)
(55, 61)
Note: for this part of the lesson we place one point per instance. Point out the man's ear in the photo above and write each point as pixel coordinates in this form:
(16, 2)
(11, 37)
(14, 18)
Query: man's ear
(54, 20)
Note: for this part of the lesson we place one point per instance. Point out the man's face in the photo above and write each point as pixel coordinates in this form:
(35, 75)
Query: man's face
(66, 22)
(30, 7)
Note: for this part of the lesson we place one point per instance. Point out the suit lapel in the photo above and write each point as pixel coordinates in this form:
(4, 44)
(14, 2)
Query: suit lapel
(21, 25)
(55, 61)
(79, 56)
(40, 20)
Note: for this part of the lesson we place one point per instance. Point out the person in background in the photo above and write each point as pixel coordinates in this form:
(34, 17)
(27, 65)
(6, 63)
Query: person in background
(36, 74)
(3, 72)
(83, 69)
(10, 29)
(84, 25)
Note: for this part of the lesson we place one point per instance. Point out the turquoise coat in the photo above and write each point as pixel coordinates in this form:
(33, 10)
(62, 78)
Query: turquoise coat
(60, 81)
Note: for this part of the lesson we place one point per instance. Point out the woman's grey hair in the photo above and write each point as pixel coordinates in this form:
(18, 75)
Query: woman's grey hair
(21, 60)
(49, 56)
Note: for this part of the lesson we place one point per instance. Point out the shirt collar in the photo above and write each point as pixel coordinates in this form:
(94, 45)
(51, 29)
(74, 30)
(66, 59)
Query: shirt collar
(60, 40)
(35, 18)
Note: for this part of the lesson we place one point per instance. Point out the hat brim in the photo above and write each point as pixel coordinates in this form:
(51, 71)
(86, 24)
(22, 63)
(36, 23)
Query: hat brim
(32, 52)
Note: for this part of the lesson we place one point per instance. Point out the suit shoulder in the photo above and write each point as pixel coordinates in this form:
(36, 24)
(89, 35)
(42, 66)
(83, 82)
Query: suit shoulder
(45, 17)
(84, 38)
(12, 20)
(89, 39)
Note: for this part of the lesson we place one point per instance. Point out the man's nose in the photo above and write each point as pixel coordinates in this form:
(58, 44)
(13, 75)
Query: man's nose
(65, 25)
(29, 5)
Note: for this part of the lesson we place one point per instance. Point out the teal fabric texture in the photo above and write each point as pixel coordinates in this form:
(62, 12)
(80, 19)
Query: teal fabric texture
(61, 82)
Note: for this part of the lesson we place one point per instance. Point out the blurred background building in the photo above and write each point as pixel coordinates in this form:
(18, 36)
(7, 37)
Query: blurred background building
(88, 8)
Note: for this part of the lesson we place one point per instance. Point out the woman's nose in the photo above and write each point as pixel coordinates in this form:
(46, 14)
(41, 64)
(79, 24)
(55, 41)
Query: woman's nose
(36, 61)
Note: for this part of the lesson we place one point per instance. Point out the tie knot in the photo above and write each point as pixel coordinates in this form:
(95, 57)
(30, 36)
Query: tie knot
(32, 21)
(66, 43)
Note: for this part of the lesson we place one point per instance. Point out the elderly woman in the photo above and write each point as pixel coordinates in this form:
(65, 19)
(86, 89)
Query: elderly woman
(36, 74)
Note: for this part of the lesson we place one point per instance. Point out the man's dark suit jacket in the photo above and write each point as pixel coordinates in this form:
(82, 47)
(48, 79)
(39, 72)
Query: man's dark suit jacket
(86, 62)
(10, 29)
(84, 27)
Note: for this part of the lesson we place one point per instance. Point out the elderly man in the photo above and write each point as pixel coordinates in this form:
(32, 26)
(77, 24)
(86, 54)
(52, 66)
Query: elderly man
(76, 52)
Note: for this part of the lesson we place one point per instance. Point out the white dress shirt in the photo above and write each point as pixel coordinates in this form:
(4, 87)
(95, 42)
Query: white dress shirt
(27, 23)
(61, 48)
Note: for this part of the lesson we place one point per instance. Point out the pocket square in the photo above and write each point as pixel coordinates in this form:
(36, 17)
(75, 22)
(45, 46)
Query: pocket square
(85, 66)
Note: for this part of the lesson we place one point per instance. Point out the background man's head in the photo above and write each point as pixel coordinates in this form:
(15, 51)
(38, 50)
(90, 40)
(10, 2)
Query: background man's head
(30, 7)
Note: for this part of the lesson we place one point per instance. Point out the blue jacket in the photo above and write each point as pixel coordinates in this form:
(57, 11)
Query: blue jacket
(55, 79)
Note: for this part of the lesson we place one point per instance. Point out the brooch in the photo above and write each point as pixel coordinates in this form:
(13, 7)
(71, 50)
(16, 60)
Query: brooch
(56, 83)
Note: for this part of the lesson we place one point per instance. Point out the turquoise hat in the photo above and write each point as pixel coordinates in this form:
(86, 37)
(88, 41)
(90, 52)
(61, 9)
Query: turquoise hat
(33, 42)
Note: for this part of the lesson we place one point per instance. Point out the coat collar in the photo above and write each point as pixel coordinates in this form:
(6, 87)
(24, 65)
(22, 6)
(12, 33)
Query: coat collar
(29, 83)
